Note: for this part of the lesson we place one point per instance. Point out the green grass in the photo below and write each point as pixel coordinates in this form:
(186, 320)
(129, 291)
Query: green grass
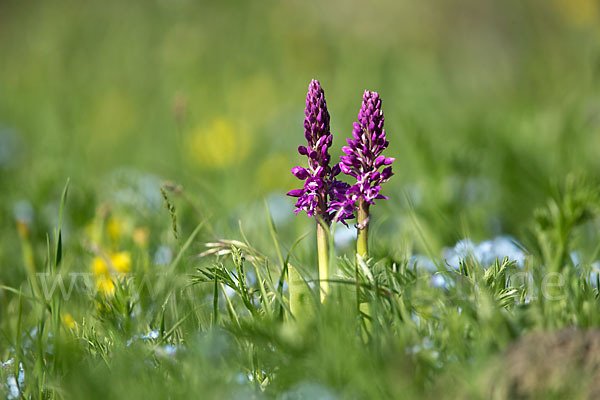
(177, 122)
(225, 323)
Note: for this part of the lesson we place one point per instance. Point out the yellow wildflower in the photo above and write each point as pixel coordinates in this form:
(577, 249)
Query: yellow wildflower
(121, 261)
(99, 267)
(68, 321)
(219, 145)
(105, 285)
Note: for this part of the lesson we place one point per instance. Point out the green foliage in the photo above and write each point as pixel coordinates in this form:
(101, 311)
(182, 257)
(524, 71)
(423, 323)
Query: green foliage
(229, 329)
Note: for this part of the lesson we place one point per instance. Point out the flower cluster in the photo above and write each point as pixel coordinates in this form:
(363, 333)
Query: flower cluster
(363, 157)
(120, 263)
(322, 194)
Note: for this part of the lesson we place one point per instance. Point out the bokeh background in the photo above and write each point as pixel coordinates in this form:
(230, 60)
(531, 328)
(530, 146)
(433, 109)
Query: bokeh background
(487, 105)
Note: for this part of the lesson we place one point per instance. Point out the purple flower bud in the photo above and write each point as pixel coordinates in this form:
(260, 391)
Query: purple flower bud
(322, 194)
(363, 154)
(335, 171)
(387, 173)
(302, 150)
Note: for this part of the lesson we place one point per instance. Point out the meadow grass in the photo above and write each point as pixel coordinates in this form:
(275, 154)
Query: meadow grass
(232, 321)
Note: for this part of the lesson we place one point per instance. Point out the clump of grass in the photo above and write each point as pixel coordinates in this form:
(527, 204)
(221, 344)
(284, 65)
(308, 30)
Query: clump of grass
(219, 322)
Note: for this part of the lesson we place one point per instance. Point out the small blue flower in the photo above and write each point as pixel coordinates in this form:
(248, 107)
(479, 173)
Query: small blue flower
(422, 261)
(151, 335)
(463, 249)
(502, 246)
(486, 252)
(438, 281)
(163, 256)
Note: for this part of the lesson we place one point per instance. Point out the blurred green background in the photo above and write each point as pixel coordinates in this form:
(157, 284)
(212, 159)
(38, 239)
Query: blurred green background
(487, 103)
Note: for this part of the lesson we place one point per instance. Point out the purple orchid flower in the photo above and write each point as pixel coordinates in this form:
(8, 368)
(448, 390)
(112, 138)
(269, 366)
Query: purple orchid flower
(363, 157)
(322, 194)
(363, 160)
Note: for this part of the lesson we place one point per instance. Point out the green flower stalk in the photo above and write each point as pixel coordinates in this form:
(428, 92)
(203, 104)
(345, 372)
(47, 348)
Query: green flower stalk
(362, 237)
(323, 252)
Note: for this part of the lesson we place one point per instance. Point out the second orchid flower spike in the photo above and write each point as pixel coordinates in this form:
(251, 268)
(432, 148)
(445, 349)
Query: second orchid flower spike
(362, 160)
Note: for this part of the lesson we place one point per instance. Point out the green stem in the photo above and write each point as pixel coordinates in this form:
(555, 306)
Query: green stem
(362, 252)
(323, 250)
(362, 239)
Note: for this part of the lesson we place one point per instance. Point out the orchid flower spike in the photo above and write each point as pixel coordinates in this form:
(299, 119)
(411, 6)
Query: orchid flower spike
(322, 194)
(362, 160)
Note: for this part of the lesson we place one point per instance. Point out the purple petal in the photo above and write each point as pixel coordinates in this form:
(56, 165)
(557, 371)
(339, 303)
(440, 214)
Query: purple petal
(379, 161)
(300, 173)
(347, 150)
(295, 192)
(345, 169)
(348, 160)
